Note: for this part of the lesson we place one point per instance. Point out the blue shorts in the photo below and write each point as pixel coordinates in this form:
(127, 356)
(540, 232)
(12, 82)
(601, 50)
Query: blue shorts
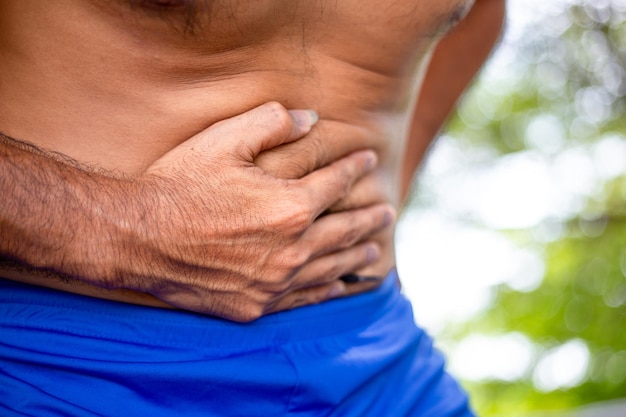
(68, 355)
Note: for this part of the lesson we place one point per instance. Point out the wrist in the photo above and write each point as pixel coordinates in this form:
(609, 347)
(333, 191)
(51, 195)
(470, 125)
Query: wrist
(111, 248)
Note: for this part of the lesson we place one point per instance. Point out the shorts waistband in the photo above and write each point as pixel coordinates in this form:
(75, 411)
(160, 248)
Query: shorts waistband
(32, 307)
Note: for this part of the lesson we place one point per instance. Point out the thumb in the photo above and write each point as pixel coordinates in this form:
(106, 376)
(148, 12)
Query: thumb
(244, 136)
(264, 127)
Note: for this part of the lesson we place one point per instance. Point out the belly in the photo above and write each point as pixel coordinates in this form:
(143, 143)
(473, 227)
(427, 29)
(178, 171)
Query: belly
(118, 92)
(122, 121)
(119, 100)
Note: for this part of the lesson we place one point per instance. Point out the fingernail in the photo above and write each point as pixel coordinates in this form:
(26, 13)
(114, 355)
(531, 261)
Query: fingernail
(371, 160)
(387, 218)
(336, 290)
(371, 254)
(305, 118)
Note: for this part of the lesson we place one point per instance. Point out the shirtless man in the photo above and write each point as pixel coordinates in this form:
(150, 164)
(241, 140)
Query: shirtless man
(381, 76)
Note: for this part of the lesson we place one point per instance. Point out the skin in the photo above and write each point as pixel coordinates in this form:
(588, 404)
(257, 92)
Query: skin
(382, 78)
(256, 264)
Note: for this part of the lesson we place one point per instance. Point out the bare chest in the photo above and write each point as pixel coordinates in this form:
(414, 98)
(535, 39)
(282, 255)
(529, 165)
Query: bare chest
(384, 36)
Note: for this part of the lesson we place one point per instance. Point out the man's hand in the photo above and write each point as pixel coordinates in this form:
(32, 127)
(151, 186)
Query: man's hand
(204, 228)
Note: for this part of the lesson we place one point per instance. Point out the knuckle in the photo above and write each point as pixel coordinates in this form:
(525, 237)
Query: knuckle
(294, 219)
(291, 260)
(287, 161)
(349, 169)
(250, 314)
(350, 236)
(297, 159)
(334, 271)
(295, 167)
(299, 301)
(279, 287)
(342, 184)
(294, 300)
(316, 148)
(318, 296)
(276, 283)
(301, 216)
(282, 117)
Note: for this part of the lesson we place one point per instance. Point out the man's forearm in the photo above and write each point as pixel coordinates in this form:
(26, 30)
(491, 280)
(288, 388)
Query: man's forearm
(48, 211)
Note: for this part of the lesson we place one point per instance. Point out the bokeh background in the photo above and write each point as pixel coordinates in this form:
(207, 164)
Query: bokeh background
(514, 240)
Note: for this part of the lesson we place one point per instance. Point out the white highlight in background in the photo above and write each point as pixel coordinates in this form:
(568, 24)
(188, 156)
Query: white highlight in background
(562, 367)
(505, 357)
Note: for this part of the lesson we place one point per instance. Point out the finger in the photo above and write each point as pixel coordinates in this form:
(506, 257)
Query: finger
(330, 267)
(308, 296)
(244, 136)
(326, 186)
(319, 280)
(327, 143)
(337, 231)
(262, 128)
(361, 287)
(371, 188)
(320, 293)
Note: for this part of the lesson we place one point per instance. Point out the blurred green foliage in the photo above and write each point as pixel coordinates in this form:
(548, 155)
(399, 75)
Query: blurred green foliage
(570, 70)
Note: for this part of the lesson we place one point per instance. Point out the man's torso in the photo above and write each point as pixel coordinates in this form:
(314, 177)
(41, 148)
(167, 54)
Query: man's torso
(116, 84)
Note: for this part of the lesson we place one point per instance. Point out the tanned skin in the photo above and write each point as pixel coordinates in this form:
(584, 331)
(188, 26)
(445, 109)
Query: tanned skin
(223, 223)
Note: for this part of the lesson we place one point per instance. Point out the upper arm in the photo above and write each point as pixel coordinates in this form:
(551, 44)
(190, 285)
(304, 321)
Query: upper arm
(457, 58)
(454, 63)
